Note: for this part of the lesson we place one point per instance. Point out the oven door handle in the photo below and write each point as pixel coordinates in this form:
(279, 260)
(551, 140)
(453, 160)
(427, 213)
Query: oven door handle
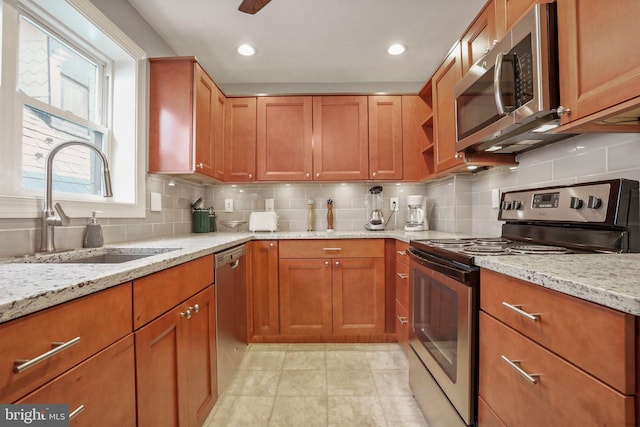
(434, 263)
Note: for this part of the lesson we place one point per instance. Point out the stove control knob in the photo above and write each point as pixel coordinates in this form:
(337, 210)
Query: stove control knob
(506, 205)
(594, 202)
(575, 203)
(516, 205)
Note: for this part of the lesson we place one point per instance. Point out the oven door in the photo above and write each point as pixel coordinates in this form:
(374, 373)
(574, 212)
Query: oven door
(443, 326)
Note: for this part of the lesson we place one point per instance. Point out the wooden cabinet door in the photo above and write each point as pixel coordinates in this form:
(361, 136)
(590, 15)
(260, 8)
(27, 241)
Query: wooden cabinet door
(443, 81)
(218, 134)
(264, 287)
(340, 138)
(385, 137)
(598, 68)
(479, 38)
(205, 97)
(305, 297)
(199, 348)
(358, 296)
(160, 378)
(415, 139)
(101, 389)
(284, 144)
(509, 12)
(240, 140)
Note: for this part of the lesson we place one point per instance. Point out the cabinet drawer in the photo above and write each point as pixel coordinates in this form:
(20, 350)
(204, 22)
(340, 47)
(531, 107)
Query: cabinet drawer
(486, 416)
(338, 248)
(97, 320)
(103, 386)
(157, 293)
(563, 395)
(596, 338)
(402, 326)
(402, 283)
(401, 252)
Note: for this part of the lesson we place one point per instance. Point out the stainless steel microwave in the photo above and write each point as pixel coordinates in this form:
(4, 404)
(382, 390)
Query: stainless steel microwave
(509, 99)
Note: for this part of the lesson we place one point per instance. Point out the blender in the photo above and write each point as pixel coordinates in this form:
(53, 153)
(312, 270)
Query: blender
(374, 202)
(416, 215)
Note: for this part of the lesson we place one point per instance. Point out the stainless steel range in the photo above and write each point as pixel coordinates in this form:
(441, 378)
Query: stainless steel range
(444, 280)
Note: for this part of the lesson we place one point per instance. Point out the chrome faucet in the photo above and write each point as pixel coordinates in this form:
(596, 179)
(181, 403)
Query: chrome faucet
(49, 217)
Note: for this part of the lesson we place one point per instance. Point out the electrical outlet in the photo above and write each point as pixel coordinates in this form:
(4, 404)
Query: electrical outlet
(228, 205)
(394, 204)
(268, 205)
(495, 198)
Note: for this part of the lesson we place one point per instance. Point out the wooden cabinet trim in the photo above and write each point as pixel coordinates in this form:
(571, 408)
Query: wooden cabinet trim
(338, 248)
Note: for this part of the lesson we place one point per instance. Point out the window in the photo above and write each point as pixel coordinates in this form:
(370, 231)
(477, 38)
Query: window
(78, 78)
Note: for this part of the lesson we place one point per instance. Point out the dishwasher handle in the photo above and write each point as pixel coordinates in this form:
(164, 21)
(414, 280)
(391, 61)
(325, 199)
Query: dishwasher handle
(230, 257)
(235, 264)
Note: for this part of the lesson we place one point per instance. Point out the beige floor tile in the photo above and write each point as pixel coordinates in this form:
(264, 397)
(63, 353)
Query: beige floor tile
(304, 360)
(350, 383)
(299, 411)
(241, 411)
(263, 360)
(305, 347)
(391, 382)
(387, 360)
(347, 359)
(254, 383)
(303, 383)
(402, 411)
(267, 347)
(355, 411)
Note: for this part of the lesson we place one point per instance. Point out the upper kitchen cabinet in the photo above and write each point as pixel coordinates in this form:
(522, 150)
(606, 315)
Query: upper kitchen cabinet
(480, 36)
(599, 73)
(284, 144)
(385, 137)
(240, 140)
(443, 82)
(340, 138)
(508, 12)
(417, 136)
(184, 119)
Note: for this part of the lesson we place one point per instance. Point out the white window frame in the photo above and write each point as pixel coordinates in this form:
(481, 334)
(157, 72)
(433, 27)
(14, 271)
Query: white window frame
(125, 138)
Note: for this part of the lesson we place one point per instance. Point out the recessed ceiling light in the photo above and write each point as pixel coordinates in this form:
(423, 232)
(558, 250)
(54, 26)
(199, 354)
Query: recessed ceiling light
(396, 49)
(246, 50)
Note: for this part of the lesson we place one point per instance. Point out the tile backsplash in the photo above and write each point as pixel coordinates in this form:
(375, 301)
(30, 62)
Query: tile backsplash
(458, 203)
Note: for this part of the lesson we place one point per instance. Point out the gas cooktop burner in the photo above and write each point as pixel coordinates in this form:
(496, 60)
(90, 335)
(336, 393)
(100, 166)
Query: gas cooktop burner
(538, 249)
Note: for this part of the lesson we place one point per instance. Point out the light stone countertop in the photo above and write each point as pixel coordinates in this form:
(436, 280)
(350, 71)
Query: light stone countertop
(607, 279)
(28, 287)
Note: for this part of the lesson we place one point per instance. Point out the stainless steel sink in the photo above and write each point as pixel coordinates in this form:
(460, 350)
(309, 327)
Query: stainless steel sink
(94, 256)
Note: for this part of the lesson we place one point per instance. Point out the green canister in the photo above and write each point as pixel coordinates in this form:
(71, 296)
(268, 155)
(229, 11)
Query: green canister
(200, 217)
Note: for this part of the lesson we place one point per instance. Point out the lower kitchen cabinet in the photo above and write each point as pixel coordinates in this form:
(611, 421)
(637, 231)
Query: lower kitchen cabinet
(99, 391)
(401, 281)
(332, 289)
(176, 364)
(550, 359)
(263, 284)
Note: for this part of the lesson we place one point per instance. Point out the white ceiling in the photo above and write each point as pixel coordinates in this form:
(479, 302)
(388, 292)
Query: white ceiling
(305, 46)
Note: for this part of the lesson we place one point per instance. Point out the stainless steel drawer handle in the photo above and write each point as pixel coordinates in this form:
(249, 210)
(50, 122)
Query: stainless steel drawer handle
(24, 364)
(518, 369)
(403, 253)
(403, 320)
(76, 412)
(331, 249)
(516, 307)
(402, 276)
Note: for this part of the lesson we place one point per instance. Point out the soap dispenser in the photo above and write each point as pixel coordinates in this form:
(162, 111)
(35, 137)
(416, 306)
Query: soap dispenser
(93, 233)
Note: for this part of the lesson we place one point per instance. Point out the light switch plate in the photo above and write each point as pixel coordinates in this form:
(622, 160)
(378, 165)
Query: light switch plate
(228, 205)
(156, 202)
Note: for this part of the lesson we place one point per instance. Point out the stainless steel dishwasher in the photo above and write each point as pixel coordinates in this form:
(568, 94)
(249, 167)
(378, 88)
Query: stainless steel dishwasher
(231, 313)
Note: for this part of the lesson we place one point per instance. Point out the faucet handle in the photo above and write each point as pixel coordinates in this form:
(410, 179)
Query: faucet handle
(64, 219)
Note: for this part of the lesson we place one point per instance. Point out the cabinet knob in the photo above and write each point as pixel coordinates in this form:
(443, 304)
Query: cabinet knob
(318, 175)
(562, 111)
(337, 264)
(374, 174)
(308, 175)
(195, 308)
(200, 165)
(186, 314)
(271, 246)
(250, 176)
(326, 263)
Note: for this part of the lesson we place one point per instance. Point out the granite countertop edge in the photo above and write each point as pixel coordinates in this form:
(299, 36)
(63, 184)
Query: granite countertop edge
(29, 287)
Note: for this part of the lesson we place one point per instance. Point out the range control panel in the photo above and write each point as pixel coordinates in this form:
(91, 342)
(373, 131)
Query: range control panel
(579, 203)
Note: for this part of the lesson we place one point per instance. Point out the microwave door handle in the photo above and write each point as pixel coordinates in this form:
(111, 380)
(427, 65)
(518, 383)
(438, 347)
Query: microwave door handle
(497, 82)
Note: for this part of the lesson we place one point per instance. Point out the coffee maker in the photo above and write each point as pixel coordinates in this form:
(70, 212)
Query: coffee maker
(416, 214)
(374, 203)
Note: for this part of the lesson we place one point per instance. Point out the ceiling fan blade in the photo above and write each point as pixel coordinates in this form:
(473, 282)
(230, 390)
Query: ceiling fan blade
(252, 6)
